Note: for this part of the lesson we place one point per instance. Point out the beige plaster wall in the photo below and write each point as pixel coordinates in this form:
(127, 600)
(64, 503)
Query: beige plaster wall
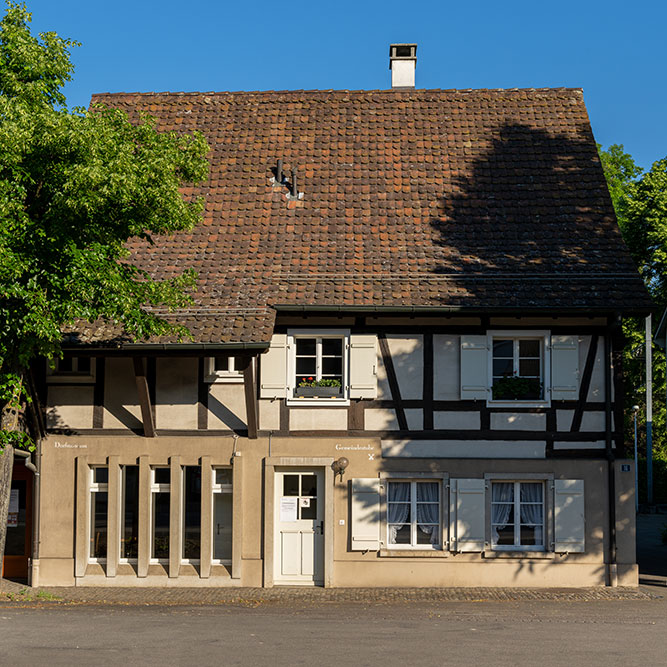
(176, 393)
(518, 421)
(60, 507)
(121, 399)
(226, 405)
(69, 406)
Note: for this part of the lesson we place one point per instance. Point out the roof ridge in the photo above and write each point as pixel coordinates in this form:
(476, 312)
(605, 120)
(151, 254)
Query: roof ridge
(328, 91)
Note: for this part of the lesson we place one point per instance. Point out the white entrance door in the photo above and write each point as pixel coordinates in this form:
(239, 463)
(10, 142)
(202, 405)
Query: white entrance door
(299, 535)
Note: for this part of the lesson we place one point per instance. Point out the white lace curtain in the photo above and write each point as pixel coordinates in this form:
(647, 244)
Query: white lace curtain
(502, 496)
(398, 507)
(428, 503)
(428, 510)
(532, 514)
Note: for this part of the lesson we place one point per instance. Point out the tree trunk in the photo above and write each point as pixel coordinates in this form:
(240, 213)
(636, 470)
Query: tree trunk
(6, 465)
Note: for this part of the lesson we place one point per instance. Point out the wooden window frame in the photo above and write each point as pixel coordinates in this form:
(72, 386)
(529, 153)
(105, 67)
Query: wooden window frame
(544, 336)
(229, 376)
(292, 336)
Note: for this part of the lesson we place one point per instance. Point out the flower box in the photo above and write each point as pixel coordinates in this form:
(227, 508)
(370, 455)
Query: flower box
(318, 392)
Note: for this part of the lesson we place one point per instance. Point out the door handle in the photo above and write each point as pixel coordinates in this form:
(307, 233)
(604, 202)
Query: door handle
(321, 527)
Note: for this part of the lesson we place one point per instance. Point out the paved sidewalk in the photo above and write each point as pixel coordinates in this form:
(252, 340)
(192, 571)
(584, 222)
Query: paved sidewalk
(15, 593)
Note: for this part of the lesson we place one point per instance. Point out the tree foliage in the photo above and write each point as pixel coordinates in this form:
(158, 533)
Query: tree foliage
(75, 185)
(640, 202)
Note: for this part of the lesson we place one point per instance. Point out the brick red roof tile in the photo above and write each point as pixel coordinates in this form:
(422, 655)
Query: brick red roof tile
(479, 199)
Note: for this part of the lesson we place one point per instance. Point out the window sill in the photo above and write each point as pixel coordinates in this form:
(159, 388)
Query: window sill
(517, 404)
(413, 553)
(70, 379)
(320, 402)
(223, 379)
(525, 555)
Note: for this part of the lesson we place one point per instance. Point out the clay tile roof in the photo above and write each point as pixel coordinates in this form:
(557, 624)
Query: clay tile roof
(472, 199)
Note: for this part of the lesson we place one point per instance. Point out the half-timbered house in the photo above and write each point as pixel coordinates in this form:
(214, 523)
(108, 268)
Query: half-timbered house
(404, 366)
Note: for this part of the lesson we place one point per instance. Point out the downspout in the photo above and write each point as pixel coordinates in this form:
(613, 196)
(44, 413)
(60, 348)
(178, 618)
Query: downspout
(612, 568)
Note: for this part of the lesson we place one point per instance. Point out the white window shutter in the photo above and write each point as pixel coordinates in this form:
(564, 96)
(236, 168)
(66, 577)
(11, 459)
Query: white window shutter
(363, 366)
(564, 367)
(468, 523)
(569, 525)
(474, 367)
(365, 514)
(273, 373)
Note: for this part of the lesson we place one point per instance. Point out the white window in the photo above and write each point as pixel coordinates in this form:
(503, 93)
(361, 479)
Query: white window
(413, 514)
(160, 510)
(72, 369)
(99, 505)
(222, 369)
(518, 366)
(318, 366)
(222, 516)
(517, 515)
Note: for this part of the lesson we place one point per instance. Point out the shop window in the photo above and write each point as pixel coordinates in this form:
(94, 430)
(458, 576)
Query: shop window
(222, 516)
(129, 539)
(160, 507)
(99, 503)
(191, 513)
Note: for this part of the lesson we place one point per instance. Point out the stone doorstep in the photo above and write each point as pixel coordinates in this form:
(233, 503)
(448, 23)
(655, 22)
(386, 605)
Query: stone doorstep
(301, 595)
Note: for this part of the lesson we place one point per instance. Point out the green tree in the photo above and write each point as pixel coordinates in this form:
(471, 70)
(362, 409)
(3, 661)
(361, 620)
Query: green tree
(640, 202)
(75, 185)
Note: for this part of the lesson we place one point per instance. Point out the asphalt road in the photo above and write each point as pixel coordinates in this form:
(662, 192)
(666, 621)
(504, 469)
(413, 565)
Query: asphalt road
(620, 632)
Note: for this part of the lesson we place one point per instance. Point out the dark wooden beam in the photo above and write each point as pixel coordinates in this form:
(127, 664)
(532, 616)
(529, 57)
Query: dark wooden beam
(144, 397)
(250, 398)
(393, 382)
(98, 393)
(585, 384)
(429, 360)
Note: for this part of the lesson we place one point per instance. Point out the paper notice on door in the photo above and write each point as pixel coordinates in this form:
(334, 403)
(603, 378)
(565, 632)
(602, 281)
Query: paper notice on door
(13, 515)
(288, 508)
(304, 502)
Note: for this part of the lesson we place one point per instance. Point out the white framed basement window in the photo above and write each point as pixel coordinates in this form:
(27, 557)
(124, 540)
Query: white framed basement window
(222, 499)
(222, 370)
(318, 367)
(160, 511)
(519, 368)
(72, 370)
(99, 511)
(518, 515)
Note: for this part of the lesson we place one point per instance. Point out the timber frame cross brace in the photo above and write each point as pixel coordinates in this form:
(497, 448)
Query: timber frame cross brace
(144, 397)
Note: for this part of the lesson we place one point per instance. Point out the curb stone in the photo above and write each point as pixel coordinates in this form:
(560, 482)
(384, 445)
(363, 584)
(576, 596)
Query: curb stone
(308, 596)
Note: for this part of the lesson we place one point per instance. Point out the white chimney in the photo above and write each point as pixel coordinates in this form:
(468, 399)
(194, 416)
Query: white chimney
(402, 63)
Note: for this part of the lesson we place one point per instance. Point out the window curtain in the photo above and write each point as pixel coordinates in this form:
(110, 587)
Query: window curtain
(533, 514)
(428, 506)
(502, 492)
(398, 507)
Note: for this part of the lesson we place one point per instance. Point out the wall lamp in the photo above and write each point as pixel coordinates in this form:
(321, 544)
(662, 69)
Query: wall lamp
(339, 466)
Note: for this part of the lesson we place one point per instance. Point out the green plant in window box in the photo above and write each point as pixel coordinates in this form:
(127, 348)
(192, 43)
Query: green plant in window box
(326, 387)
(516, 388)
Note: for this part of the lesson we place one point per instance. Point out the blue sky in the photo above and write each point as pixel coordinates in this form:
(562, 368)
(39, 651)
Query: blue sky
(614, 50)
